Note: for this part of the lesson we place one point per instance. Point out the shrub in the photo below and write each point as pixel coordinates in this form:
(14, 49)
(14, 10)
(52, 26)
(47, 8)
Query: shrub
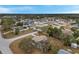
(76, 34)
(68, 40)
(54, 49)
(50, 30)
(25, 45)
(20, 24)
(55, 32)
(16, 31)
(73, 29)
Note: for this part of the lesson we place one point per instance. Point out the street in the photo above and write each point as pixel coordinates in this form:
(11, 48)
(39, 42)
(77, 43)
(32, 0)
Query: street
(4, 43)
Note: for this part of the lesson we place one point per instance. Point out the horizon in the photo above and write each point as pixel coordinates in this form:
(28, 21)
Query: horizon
(39, 9)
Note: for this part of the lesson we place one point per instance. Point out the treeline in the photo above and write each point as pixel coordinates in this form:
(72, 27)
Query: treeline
(67, 16)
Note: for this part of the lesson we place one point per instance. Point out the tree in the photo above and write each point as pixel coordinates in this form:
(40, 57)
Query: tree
(16, 31)
(76, 34)
(55, 32)
(54, 49)
(78, 41)
(50, 30)
(73, 28)
(7, 23)
(77, 21)
(68, 40)
(26, 45)
(20, 24)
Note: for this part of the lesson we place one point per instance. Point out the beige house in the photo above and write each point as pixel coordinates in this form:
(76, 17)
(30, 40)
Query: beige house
(39, 38)
(67, 32)
(40, 42)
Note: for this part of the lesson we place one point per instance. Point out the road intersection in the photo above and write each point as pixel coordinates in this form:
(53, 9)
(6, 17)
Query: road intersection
(4, 43)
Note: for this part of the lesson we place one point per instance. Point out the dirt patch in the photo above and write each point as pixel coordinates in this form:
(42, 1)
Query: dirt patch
(15, 47)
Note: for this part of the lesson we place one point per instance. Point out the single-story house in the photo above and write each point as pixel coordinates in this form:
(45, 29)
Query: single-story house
(40, 38)
(67, 32)
(41, 42)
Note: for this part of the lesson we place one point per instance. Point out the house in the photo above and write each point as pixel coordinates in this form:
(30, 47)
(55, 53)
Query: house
(28, 22)
(72, 21)
(62, 51)
(40, 38)
(67, 31)
(40, 42)
(75, 25)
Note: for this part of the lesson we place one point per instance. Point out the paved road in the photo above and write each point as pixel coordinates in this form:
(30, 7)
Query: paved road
(4, 43)
(4, 46)
(19, 37)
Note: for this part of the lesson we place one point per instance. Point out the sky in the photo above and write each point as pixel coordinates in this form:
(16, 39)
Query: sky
(39, 9)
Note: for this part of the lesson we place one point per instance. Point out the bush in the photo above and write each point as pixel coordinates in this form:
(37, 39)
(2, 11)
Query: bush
(25, 45)
(20, 24)
(76, 34)
(73, 29)
(68, 40)
(54, 49)
(7, 23)
(78, 42)
(16, 31)
(55, 32)
(50, 30)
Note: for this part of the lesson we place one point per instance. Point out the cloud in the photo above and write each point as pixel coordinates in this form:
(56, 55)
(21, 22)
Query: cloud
(14, 9)
(26, 8)
(71, 12)
(75, 11)
(5, 10)
(22, 8)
